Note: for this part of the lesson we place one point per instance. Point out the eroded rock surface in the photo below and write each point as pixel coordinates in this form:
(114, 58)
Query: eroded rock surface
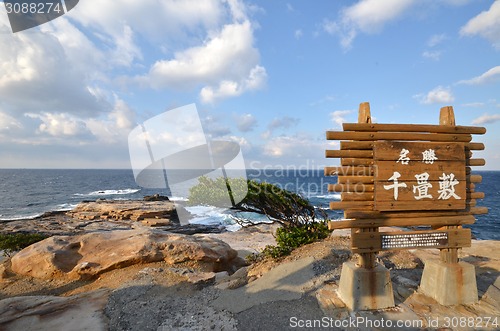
(127, 210)
(88, 255)
(82, 312)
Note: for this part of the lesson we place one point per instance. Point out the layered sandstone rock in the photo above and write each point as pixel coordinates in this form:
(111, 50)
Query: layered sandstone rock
(88, 255)
(133, 210)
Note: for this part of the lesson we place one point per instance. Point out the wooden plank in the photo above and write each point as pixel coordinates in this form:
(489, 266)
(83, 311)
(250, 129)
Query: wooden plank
(447, 116)
(470, 187)
(354, 205)
(385, 170)
(372, 242)
(415, 151)
(356, 162)
(476, 162)
(364, 115)
(387, 205)
(348, 153)
(364, 145)
(475, 146)
(406, 221)
(479, 210)
(346, 196)
(368, 136)
(356, 145)
(349, 170)
(369, 205)
(356, 179)
(475, 195)
(413, 128)
(350, 187)
(362, 214)
(475, 178)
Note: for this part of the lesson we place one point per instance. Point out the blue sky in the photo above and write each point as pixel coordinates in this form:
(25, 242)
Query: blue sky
(270, 75)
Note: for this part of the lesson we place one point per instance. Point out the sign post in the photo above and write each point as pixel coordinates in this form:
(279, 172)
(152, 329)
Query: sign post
(406, 175)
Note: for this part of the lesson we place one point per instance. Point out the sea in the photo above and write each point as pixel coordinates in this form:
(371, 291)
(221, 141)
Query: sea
(28, 193)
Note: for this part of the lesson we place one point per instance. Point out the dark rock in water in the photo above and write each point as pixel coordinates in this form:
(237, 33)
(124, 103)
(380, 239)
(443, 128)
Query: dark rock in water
(51, 214)
(156, 197)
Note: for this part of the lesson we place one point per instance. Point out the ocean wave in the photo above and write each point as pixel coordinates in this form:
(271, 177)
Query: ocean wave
(208, 215)
(110, 192)
(178, 199)
(66, 206)
(20, 217)
(335, 196)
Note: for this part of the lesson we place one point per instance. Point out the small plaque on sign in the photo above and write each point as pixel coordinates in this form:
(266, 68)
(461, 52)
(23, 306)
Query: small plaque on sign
(420, 240)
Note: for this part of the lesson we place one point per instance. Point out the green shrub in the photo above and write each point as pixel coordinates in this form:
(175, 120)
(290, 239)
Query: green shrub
(288, 239)
(10, 243)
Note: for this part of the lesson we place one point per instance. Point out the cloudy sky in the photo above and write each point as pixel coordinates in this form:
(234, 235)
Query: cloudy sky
(271, 75)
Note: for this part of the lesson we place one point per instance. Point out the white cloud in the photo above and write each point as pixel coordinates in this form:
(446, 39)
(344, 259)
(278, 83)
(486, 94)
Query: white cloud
(52, 128)
(474, 104)
(284, 122)
(227, 64)
(338, 116)
(228, 88)
(116, 126)
(8, 123)
(436, 39)
(59, 125)
(298, 34)
(439, 94)
(297, 147)
(489, 76)
(37, 73)
(155, 20)
(486, 25)
(367, 16)
(486, 119)
(246, 122)
(432, 55)
(58, 81)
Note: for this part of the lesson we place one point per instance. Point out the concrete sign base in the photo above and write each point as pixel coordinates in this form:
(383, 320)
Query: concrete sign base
(449, 283)
(365, 289)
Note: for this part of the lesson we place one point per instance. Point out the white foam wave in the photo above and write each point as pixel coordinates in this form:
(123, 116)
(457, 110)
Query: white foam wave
(208, 215)
(178, 199)
(66, 206)
(20, 217)
(335, 196)
(110, 192)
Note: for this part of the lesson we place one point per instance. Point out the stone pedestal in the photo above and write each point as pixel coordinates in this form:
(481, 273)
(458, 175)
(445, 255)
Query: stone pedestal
(449, 283)
(365, 289)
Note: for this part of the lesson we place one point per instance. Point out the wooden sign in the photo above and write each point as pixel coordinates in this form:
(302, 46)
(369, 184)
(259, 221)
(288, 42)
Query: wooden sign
(406, 175)
(419, 176)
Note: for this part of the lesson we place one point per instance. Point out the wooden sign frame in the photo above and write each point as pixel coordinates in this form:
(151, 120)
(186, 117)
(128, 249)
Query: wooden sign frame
(367, 161)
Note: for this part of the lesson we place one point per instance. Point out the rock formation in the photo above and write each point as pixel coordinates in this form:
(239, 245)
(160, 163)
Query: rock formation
(151, 212)
(88, 255)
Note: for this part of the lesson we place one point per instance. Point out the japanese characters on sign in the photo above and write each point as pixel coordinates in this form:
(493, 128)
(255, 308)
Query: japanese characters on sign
(417, 175)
